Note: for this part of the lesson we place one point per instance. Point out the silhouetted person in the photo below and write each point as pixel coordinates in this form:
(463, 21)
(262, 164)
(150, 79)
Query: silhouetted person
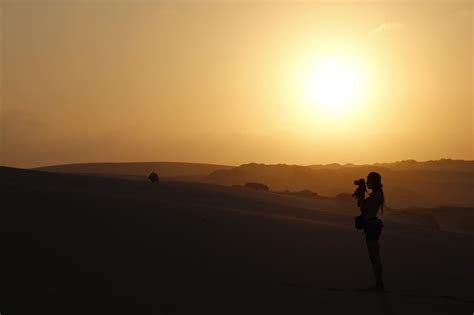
(371, 224)
(154, 178)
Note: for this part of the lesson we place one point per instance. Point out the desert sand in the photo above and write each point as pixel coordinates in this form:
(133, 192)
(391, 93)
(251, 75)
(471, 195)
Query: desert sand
(77, 244)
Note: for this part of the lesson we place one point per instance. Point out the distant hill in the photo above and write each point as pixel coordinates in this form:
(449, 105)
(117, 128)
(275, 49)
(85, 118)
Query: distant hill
(407, 184)
(443, 165)
(167, 169)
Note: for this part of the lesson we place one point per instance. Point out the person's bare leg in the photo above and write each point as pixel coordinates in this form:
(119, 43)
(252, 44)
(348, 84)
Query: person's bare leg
(374, 254)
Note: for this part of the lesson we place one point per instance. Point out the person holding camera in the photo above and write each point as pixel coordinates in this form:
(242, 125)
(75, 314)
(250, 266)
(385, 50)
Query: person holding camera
(369, 222)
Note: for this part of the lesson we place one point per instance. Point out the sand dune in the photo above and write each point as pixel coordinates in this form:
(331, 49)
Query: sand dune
(167, 169)
(92, 245)
(408, 184)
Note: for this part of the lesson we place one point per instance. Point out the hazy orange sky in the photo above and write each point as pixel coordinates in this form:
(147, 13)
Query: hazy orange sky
(234, 82)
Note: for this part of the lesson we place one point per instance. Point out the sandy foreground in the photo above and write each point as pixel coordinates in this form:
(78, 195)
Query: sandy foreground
(76, 244)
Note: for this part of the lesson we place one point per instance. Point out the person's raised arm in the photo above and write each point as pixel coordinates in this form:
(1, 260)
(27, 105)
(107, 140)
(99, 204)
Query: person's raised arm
(359, 194)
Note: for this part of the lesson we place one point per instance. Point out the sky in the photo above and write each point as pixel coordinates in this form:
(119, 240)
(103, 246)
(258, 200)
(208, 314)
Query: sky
(234, 82)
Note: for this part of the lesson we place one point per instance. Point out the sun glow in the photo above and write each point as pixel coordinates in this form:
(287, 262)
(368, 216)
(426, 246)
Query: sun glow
(333, 85)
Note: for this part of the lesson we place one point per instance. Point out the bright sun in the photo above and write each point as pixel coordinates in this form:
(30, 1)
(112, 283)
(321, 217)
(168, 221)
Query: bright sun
(333, 85)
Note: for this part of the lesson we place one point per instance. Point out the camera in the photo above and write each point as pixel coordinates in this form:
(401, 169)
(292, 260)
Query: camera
(360, 191)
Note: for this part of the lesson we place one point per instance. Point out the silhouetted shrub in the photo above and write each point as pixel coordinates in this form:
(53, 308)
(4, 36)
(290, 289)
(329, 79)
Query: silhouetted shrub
(256, 186)
(154, 178)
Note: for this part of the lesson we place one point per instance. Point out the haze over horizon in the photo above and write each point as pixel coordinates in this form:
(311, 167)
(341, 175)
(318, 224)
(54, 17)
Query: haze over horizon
(246, 163)
(233, 83)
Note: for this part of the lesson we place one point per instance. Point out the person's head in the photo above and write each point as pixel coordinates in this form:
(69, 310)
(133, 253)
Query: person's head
(374, 181)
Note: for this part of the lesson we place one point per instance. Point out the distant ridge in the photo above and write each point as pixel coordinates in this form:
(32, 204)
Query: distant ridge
(447, 165)
(406, 183)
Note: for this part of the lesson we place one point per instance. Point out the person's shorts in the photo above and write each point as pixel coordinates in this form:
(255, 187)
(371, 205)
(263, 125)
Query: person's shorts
(373, 229)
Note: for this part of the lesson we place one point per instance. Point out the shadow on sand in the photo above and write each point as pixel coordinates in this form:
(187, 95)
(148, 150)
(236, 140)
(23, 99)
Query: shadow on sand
(381, 294)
